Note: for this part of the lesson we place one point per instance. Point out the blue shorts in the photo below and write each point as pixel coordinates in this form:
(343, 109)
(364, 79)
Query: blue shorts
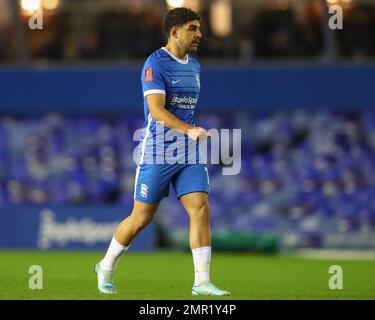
(152, 180)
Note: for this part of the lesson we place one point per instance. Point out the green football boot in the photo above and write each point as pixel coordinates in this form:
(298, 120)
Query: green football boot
(105, 280)
(208, 289)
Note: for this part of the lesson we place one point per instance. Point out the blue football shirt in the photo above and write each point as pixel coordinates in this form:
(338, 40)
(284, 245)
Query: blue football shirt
(179, 81)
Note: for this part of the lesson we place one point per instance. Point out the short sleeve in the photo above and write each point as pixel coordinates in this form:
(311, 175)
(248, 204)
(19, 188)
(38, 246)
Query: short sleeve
(152, 79)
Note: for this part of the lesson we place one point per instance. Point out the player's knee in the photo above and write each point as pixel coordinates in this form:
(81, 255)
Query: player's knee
(201, 211)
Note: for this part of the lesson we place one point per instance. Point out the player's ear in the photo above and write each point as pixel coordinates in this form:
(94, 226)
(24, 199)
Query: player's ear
(174, 31)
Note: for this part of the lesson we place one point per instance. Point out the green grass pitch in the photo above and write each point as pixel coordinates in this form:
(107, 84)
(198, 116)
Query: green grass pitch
(169, 275)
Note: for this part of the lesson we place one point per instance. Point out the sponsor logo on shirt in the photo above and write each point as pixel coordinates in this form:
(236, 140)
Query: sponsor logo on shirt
(186, 100)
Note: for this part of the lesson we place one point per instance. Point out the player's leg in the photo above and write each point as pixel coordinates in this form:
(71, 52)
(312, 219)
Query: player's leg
(126, 231)
(151, 185)
(139, 218)
(198, 209)
(192, 187)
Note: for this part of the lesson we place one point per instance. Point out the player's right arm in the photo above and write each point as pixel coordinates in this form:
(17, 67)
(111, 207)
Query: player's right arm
(156, 106)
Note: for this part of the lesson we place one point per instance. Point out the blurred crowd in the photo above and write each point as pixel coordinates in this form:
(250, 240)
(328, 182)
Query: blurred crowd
(312, 171)
(125, 32)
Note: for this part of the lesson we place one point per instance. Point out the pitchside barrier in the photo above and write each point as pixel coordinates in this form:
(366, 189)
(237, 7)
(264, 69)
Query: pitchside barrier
(65, 227)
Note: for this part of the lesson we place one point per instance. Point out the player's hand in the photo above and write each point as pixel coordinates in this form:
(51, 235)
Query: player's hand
(198, 134)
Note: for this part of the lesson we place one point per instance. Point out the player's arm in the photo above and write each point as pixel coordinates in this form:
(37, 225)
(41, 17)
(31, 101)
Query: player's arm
(156, 103)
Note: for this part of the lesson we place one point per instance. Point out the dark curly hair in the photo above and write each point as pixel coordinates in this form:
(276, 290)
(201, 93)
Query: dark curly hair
(178, 17)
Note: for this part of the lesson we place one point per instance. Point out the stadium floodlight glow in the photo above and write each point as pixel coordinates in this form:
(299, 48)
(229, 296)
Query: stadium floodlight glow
(30, 5)
(221, 17)
(175, 3)
(50, 4)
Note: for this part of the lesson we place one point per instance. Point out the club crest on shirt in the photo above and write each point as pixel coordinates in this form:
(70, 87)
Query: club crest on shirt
(198, 81)
(148, 75)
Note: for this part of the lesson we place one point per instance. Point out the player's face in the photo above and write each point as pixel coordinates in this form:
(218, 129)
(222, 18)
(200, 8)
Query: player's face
(189, 35)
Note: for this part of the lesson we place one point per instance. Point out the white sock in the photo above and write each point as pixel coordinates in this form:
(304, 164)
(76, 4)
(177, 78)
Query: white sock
(202, 259)
(112, 256)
